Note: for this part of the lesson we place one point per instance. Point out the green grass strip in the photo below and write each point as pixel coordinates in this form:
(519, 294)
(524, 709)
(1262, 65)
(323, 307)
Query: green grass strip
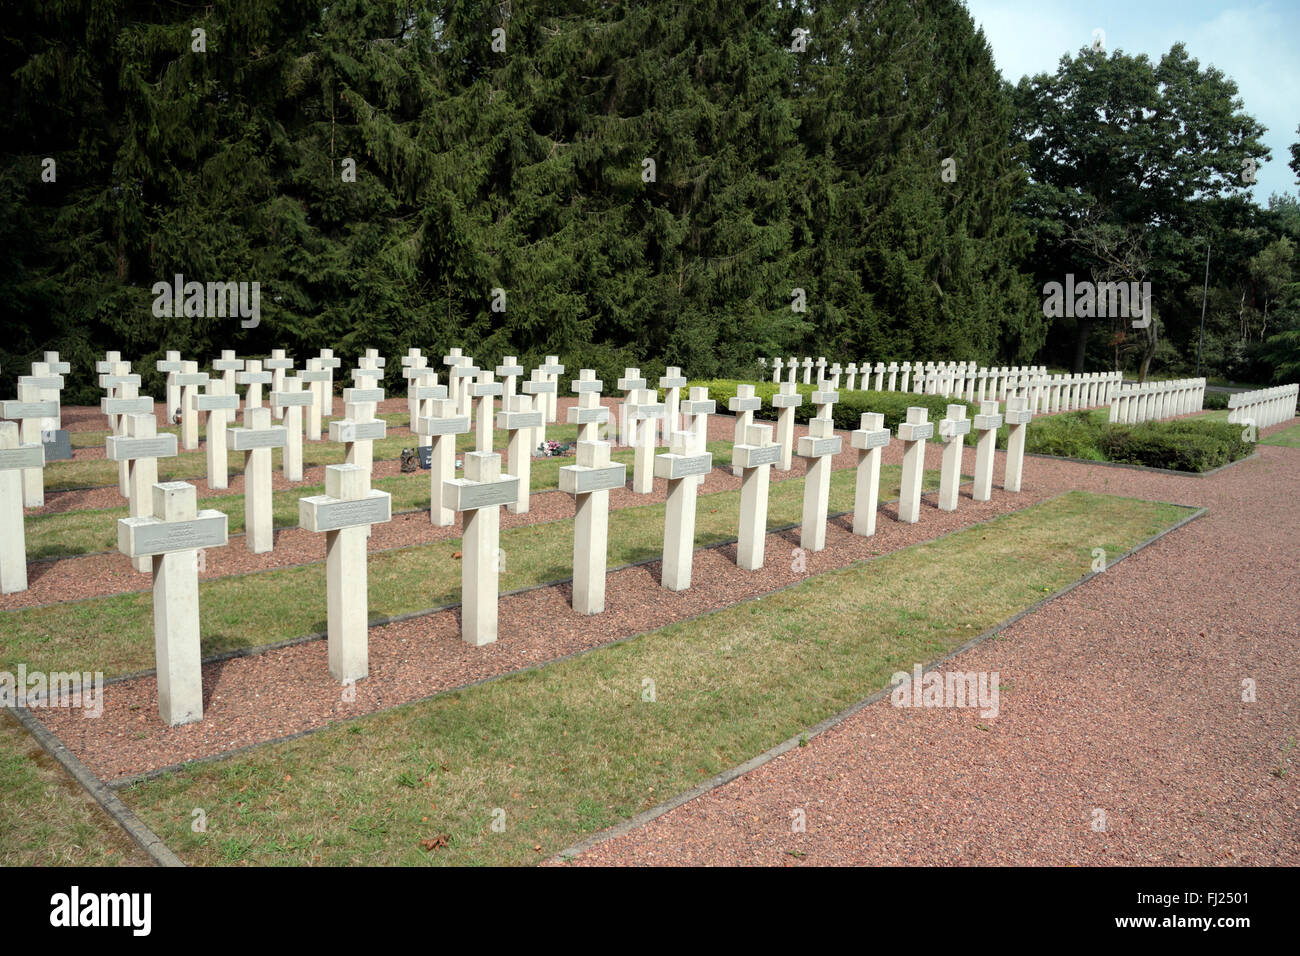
(114, 635)
(563, 751)
(68, 533)
(64, 475)
(46, 819)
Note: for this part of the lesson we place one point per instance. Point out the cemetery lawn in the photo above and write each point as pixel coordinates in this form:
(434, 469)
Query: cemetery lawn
(99, 472)
(569, 749)
(1288, 437)
(46, 819)
(290, 602)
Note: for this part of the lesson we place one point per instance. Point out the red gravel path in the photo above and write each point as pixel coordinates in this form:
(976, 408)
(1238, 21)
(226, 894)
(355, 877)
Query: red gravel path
(1122, 696)
(270, 695)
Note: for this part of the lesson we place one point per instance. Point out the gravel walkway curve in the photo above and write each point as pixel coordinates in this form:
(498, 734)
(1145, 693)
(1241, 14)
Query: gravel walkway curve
(1123, 696)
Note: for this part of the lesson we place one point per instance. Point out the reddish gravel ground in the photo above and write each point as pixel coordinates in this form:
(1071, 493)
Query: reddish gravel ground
(96, 575)
(1123, 696)
(253, 699)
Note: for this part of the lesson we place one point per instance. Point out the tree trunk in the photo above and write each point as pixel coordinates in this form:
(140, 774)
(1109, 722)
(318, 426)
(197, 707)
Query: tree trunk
(1083, 327)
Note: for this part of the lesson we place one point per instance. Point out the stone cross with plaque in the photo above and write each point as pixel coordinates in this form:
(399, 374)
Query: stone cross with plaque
(171, 536)
(345, 513)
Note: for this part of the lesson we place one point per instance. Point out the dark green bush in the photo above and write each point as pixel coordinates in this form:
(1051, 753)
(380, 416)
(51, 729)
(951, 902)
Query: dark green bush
(1215, 400)
(847, 411)
(1185, 445)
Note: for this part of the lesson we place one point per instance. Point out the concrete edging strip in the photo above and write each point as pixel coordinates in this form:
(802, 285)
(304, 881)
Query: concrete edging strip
(112, 804)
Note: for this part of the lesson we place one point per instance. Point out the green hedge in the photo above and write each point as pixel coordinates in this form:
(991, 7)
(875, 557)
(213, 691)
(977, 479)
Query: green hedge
(1215, 400)
(1185, 445)
(847, 411)
(1191, 444)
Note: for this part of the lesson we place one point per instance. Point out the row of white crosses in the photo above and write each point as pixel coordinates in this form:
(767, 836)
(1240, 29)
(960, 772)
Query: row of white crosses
(171, 534)
(1263, 407)
(1153, 401)
(961, 380)
(37, 413)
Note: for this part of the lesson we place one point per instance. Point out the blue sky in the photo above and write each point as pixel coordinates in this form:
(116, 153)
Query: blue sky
(1252, 41)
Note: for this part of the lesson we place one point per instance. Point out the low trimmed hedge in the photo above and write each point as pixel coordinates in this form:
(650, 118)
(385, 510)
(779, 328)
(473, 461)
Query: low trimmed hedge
(1185, 445)
(1215, 400)
(1190, 444)
(847, 411)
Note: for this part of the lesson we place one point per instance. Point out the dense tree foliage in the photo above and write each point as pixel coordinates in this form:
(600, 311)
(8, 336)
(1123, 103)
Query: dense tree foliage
(622, 183)
(795, 146)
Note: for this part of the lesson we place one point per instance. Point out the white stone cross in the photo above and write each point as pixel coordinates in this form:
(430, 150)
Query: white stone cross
(893, 376)
(952, 430)
(744, 403)
(480, 495)
(359, 429)
(30, 412)
(14, 459)
(777, 365)
(367, 397)
(121, 386)
(987, 423)
(189, 380)
(278, 364)
(852, 371)
(913, 433)
(366, 378)
(256, 439)
(696, 411)
(221, 404)
(835, 372)
(682, 470)
(451, 360)
(787, 400)
(292, 398)
(140, 448)
(819, 446)
(645, 412)
(590, 481)
(672, 382)
(1018, 417)
(755, 457)
(228, 365)
(552, 370)
(519, 419)
(106, 366)
(329, 362)
(880, 376)
(630, 383)
(424, 388)
(48, 382)
(907, 371)
(254, 378)
(509, 372)
(345, 513)
(414, 363)
(483, 393)
(316, 377)
(170, 536)
(461, 376)
(539, 388)
(807, 371)
(441, 426)
(869, 438)
(173, 366)
(588, 414)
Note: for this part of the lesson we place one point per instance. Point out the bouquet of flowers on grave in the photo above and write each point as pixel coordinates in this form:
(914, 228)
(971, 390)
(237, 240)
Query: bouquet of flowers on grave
(552, 449)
